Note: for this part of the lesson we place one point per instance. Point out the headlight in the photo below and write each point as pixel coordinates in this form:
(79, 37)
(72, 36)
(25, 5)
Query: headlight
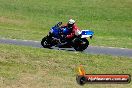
(51, 30)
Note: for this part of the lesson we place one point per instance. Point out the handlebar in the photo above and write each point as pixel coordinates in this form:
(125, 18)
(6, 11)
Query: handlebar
(58, 24)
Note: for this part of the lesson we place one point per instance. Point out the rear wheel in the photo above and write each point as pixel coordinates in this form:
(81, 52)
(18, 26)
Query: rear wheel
(46, 42)
(80, 44)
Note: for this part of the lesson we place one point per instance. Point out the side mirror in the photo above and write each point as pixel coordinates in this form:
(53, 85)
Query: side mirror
(60, 23)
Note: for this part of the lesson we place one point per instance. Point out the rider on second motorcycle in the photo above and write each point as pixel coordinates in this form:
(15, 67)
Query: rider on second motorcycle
(71, 26)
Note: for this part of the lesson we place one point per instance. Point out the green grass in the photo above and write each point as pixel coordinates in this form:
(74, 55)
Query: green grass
(31, 19)
(42, 68)
(38, 68)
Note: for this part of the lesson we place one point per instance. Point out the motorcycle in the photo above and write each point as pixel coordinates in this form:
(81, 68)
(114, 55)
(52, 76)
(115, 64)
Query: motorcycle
(56, 34)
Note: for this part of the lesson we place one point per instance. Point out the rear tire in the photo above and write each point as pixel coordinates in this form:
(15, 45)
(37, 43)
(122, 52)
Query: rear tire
(80, 44)
(46, 42)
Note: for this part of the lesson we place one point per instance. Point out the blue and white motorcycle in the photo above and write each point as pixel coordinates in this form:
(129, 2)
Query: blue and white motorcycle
(54, 38)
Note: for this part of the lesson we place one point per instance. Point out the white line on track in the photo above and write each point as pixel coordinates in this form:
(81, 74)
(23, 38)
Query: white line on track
(89, 45)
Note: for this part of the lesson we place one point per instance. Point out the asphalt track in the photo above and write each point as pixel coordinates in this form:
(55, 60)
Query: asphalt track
(91, 49)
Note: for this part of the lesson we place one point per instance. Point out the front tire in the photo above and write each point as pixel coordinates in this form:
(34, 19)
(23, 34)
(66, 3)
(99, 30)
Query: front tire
(46, 42)
(80, 44)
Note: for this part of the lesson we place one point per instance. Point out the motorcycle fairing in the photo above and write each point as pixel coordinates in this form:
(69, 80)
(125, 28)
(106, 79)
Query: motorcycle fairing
(56, 31)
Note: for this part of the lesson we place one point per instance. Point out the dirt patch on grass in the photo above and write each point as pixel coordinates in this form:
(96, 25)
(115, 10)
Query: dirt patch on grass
(11, 21)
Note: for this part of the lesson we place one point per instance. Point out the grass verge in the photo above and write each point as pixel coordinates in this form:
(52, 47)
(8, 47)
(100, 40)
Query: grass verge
(39, 68)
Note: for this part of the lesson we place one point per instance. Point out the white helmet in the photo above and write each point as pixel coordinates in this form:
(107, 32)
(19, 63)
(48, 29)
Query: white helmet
(71, 21)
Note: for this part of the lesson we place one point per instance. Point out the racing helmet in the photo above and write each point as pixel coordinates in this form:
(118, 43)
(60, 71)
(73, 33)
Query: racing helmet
(70, 23)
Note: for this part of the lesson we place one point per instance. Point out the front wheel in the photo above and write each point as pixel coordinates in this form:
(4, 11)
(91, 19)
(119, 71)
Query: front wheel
(80, 44)
(46, 42)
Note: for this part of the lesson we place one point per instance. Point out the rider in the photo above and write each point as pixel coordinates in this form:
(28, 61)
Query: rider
(72, 30)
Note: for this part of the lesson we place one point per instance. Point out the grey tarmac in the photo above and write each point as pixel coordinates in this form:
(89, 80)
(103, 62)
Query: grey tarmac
(91, 49)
